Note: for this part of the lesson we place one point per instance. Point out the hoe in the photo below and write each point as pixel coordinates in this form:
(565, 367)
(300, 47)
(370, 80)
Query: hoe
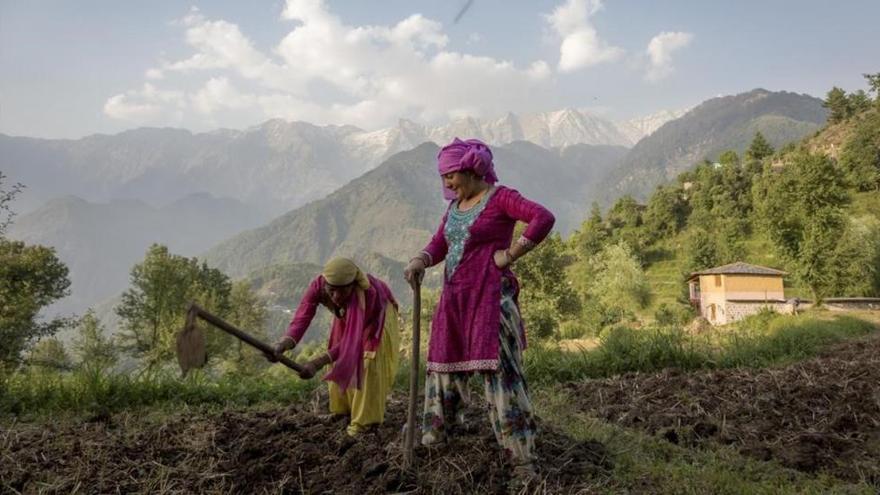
(191, 351)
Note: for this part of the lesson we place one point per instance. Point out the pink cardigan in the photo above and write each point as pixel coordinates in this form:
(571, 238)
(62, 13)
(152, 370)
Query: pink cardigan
(464, 331)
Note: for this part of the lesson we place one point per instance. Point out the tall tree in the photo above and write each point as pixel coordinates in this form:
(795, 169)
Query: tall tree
(590, 238)
(31, 278)
(619, 280)
(547, 299)
(666, 212)
(6, 197)
(873, 85)
(860, 155)
(247, 312)
(802, 211)
(759, 148)
(49, 354)
(92, 349)
(838, 104)
(153, 309)
(859, 101)
(624, 222)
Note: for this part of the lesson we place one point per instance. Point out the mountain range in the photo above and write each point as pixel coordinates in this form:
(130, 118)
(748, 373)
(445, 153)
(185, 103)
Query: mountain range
(313, 199)
(707, 130)
(274, 167)
(394, 208)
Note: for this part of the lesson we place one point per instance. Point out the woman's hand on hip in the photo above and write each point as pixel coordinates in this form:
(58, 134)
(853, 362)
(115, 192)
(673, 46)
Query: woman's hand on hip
(502, 258)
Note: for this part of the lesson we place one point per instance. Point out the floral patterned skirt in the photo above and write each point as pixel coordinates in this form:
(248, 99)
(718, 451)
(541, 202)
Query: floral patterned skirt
(506, 393)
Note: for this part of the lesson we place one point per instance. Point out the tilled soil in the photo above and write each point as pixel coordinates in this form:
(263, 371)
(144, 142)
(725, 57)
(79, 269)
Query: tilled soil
(822, 414)
(286, 450)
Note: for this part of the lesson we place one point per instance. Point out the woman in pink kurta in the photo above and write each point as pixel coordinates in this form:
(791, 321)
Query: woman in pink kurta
(477, 325)
(363, 346)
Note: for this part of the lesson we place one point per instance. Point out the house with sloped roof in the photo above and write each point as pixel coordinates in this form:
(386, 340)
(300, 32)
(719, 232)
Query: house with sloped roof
(728, 293)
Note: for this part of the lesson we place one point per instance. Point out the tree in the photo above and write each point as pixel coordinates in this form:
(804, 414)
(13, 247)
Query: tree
(857, 259)
(624, 222)
(700, 250)
(546, 298)
(619, 280)
(838, 104)
(759, 148)
(873, 84)
(859, 101)
(31, 278)
(49, 354)
(247, 312)
(802, 211)
(154, 308)
(729, 158)
(666, 213)
(6, 197)
(860, 155)
(592, 235)
(92, 349)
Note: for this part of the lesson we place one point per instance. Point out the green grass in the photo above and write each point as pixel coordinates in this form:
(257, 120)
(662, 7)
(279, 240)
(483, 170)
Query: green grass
(866, 203)
(646, 464)
(762, 340)
(36, 392)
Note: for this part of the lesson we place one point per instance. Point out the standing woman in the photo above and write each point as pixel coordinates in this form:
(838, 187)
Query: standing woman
(477, 325)
(364, 340)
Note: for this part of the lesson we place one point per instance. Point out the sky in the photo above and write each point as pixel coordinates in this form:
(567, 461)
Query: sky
(74, 68)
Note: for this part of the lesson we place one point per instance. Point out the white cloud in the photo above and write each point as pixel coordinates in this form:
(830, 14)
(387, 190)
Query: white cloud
(660, 50)
(325, 71)
(147, 105)
(581, 46)
(218, 93)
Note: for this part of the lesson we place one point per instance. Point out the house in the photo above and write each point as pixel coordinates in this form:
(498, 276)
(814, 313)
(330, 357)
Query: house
(728, 293)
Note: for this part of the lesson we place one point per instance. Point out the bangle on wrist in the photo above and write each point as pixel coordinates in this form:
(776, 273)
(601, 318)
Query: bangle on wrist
(525, 243)
(421, 257)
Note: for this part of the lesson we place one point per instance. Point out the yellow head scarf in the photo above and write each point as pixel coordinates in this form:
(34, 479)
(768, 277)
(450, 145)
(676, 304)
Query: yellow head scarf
(343, 271)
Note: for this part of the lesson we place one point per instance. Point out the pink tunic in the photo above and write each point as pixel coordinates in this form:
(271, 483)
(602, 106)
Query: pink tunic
(464, 331)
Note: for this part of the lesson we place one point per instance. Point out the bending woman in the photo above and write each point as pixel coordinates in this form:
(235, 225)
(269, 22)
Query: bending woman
(364, 340)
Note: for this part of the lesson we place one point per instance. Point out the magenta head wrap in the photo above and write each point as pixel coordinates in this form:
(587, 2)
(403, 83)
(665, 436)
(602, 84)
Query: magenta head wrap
(459, 156)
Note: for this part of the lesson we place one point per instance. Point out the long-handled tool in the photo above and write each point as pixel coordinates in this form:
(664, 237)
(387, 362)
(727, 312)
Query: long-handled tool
(409, 440)
(191, 352)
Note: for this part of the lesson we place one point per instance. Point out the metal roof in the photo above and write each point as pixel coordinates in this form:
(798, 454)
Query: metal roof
(739, 268)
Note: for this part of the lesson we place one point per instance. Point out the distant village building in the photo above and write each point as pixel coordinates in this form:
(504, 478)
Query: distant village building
(731, 292)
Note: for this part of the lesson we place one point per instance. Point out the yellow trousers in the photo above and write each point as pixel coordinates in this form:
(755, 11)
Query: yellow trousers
(367, 405)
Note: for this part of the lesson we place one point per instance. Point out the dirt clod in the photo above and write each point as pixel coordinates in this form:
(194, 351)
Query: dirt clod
(284, 450)
(822, 414)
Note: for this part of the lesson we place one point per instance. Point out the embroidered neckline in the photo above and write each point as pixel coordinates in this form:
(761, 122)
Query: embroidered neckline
(457, 229)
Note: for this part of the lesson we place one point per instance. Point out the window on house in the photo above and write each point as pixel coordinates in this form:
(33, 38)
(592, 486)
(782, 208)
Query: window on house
(717, 280)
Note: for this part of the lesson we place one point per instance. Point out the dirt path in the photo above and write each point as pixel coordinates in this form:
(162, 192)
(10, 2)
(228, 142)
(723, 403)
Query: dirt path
(290, 450)
(822, 414)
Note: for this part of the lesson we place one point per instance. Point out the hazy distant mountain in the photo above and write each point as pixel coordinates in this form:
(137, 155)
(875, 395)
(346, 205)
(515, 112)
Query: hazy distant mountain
(640, 127)
(719, 124)
(275, 166)
(394, 208)
(100, 242)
